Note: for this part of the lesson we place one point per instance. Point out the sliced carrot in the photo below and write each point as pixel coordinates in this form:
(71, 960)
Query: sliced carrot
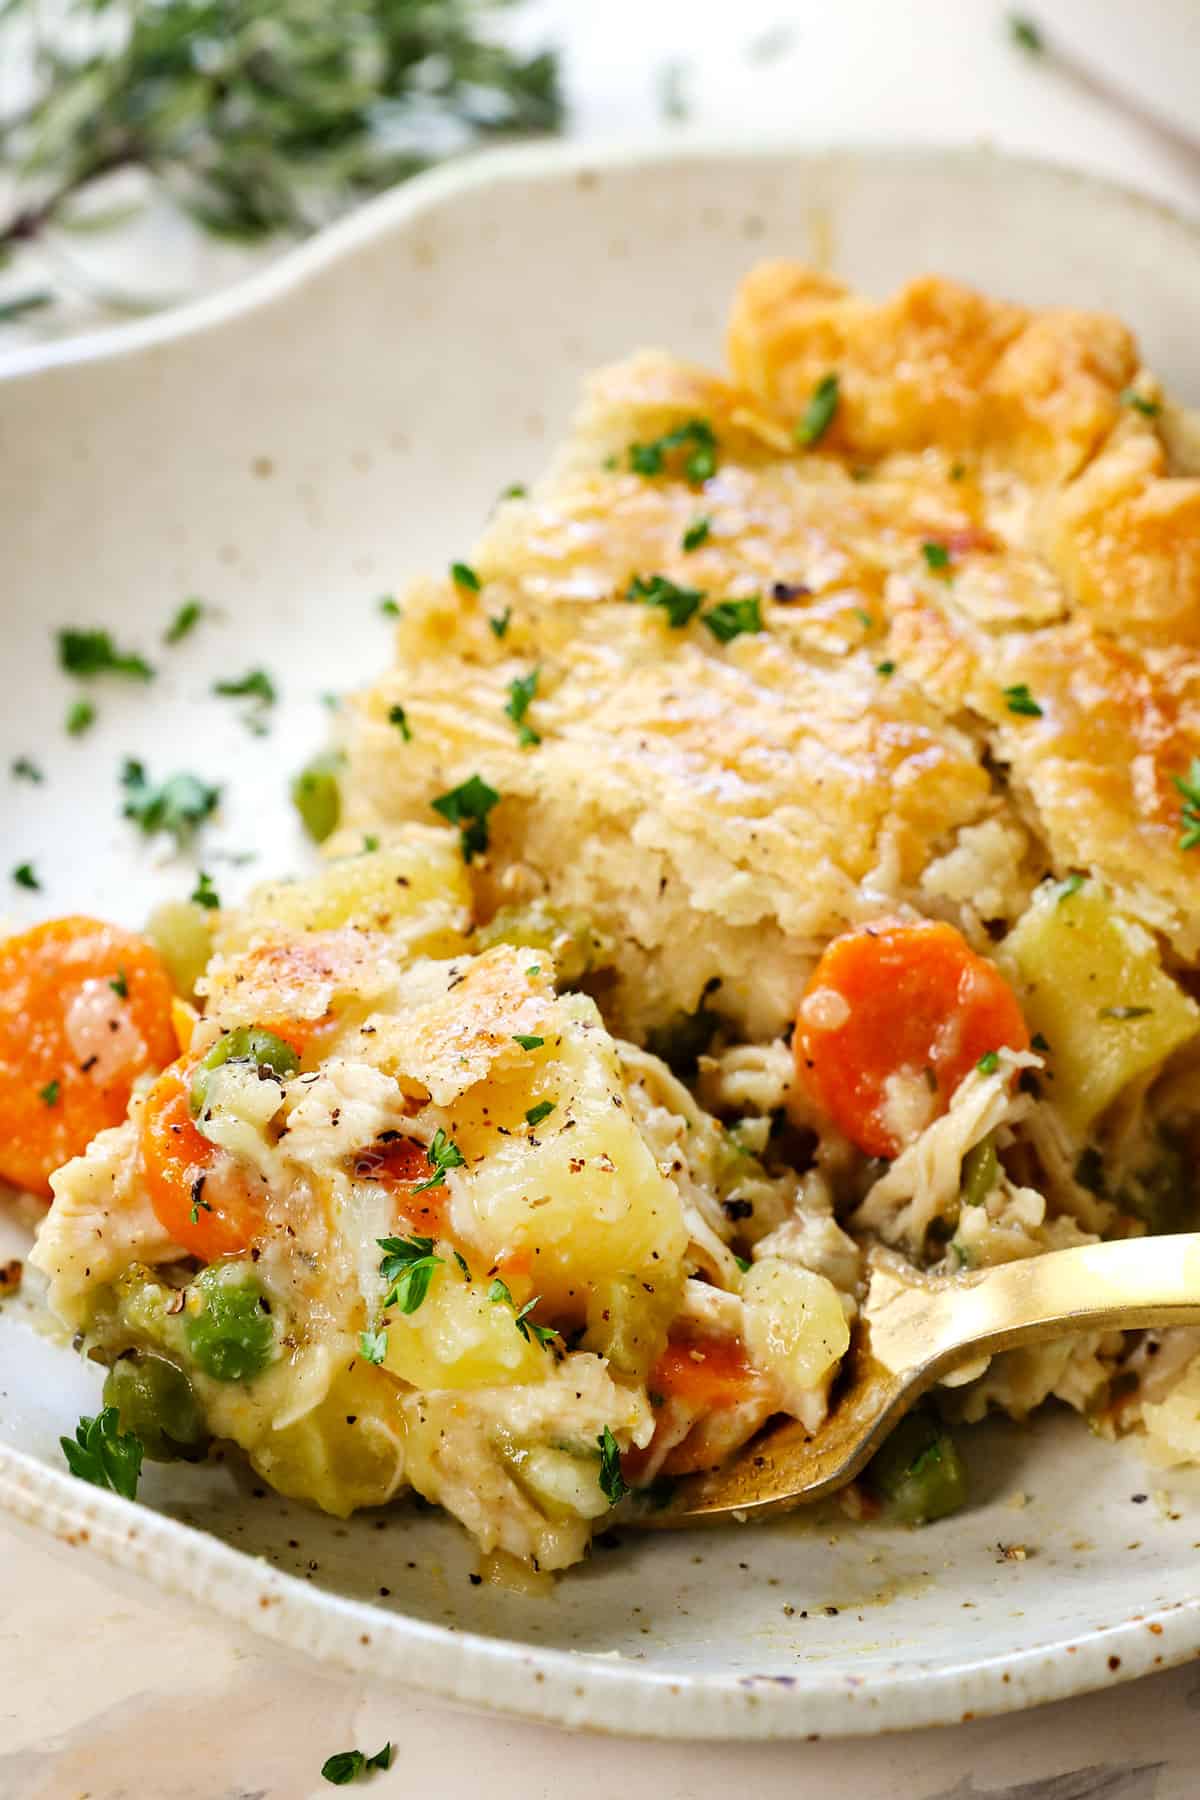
(705, 1375)
(904, 1000)
(400, 1164)
(85, 1008)
(184, 1172)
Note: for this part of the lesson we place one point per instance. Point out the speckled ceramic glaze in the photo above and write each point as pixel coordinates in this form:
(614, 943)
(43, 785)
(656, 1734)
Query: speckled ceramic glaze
(290, 452)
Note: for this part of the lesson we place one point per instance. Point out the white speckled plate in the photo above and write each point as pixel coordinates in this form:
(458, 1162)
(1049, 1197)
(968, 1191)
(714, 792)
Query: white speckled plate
(294, 449)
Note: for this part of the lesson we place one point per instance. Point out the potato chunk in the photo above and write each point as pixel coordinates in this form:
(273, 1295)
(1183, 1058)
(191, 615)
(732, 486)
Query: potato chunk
(1092, 984)
(795, 1330)
(458, 1338)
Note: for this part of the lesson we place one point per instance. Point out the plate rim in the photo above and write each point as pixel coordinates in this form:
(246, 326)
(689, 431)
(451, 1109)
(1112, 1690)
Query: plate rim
(606, 1693)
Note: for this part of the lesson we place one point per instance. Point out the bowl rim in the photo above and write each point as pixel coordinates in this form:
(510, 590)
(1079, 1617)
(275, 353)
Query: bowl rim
(583, 1689)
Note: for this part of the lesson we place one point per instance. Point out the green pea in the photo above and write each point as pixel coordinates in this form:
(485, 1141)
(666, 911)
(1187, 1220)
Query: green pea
(317, 795)
(154, 1400)
(229, 1331)
(980, 1172)
(244, 1044)
(919, 1471)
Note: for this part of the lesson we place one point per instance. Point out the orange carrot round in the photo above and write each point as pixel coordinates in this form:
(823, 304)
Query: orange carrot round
(185, 1173)
(898, 1000)
(85, 1008)
(400, 1165)
(706, 1376)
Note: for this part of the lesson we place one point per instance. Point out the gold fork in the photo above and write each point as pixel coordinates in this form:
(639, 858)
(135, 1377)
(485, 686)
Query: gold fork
(911, 1332)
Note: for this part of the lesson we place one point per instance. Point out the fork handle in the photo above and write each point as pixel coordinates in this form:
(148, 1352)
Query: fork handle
(1137, 1282)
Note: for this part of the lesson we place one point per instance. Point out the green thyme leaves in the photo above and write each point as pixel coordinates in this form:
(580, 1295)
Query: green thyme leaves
(697, 533)
(346, 1766)
(104, 1455)
(521, 691)
(407, 1268)
(612, 1482)
(680, 604)
(373, 1345)
(730, 618)
(1189, 813)
(1018, 699)
(689, 449)
(819, 414)
(499, 1295)
(468, 806)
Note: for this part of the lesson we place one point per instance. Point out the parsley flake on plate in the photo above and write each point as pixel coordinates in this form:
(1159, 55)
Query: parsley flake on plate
(730, 618)
(819, 413)
(204, 893)
(679, 603)
(184, 622)
(399, 718)
(182, 803)
(407, 1267)
(87, 653)
(22, 769)
(255, 684)
(389, 606)
(521, 691)
(346, 1766)
(468, 806)
(81, 715)
(1019, 700)
(612, 1482)
(25, 877)
(104, 1454)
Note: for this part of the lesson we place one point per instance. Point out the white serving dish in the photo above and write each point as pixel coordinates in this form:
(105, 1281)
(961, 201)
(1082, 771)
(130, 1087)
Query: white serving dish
(294, 448)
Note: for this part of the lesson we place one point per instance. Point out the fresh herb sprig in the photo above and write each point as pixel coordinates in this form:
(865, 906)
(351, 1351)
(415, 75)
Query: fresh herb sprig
(407, 1268)
(103, 1454)
(252, 124)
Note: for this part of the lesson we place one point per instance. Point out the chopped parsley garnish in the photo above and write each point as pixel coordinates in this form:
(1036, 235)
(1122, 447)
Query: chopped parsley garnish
(468, 806)
(104, 1454)
(534, 969)
(1025, 33)
(1019, 700)
(516, 490)
(541, 1111)
(407, 1268)
(679, 603)
(181, 804)
(1125, 1012)
(348, 1765)
(24, 876)
(204, 893)
(89, 653)
(370, 843)
(464, 576)
(25, 770)
(936, 555)
(399, 718)
(818, 414)
(989, 1062)
(389, 606)
(120, 985)
(864, 618)
(80, 715)
(185, 621)
(499, 1295)
(697, 533)
(498, 623)
(612, 1482)
(463, 1264)
(743, 1263)
(696, 437)
(521, 691)
(731, 618)
(1149, 409)
(1189, 814)
(373, 1345)
(885, 668)
(441, 1155)
(49, 1094)
(529, 1043)
(1070, 886)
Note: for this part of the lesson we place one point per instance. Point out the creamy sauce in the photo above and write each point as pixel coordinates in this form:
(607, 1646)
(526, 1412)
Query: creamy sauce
(101, 1032)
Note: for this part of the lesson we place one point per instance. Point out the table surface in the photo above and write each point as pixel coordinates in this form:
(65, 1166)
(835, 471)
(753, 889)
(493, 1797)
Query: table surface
(106, 1694)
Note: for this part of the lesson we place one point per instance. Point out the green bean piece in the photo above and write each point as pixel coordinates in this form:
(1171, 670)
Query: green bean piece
(980, 1171)
(230, 1333)
(244, 1044)
(919, 1471)
(154, 1401)
(317, 795)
